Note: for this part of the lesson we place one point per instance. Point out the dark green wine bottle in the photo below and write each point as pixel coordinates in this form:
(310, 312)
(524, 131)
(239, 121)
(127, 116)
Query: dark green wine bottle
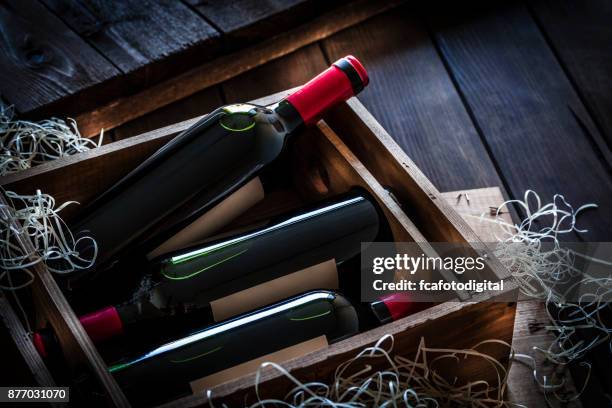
(165, 372)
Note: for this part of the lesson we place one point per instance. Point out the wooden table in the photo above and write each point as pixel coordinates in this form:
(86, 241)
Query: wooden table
(84, 58)
(517, 95)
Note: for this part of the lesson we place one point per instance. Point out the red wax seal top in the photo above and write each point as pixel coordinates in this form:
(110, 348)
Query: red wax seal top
(399, 305)
(103, 324)
(39, 344)
(363, 74)
(344, 79)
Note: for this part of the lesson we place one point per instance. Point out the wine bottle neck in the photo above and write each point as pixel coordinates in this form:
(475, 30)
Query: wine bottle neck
(344, 79)
(290, 116)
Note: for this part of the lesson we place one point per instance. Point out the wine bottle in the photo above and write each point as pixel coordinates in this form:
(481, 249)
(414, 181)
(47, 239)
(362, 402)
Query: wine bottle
(396, 306)
(187, 281)
(208, 162)
(332, 229)
(181, 287)
(128, 328)
(166, 371)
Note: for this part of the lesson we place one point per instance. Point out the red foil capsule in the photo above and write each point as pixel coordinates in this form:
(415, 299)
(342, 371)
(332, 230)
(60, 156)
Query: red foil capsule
(400, 305)
(344, 79)
(102, 324)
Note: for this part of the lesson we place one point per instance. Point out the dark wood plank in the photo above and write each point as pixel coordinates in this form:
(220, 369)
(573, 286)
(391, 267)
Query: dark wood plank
(411, 95)
(127, 108)
(244, 21)
(196, 105)
(525, 107)
(287, 72)
(139, 34)
(581, 34)
(22, 347)
(41, 59)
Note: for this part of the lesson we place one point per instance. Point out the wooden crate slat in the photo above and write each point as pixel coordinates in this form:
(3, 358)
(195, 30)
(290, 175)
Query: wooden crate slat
(462, 324)
(41, 59)
(579, 32)
(392, 167)
(335, 159)
(412, 96)
(526, 108)
(402, 226)
(420, 200)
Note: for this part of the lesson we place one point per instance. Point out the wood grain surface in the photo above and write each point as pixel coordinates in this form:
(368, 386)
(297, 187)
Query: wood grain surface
(531, 114)
(526, 108)
(580, 33)
(41, 59)
(512, 95)
(411, 95)
(129, 107)
(162, 36)
(246, 21)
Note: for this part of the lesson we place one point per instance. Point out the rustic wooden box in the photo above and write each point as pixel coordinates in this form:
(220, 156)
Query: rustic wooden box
(346, 149)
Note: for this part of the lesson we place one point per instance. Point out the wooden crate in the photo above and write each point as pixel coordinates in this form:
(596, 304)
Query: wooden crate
(348, 148)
